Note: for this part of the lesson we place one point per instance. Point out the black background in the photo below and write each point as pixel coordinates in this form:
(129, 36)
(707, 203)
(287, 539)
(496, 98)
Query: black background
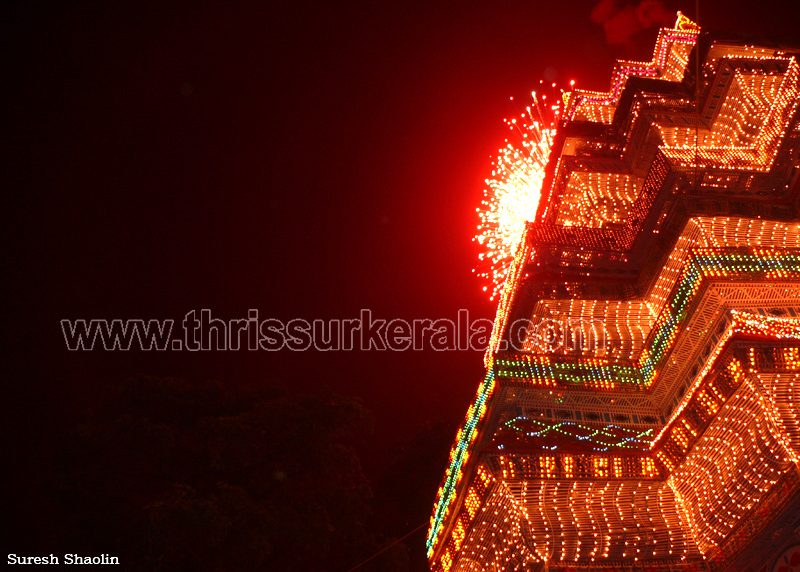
(304, 159)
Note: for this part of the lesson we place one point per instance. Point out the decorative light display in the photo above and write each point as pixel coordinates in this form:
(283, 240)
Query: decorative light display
(597, 200)
(569, 466)
(667, 221)
(737, 459)
(703, 400)
(749, 125)
(669, 62)
(458, 456)
(702, 266)
(604, 521)
(574, 436)
(512, 194)
(507, 297)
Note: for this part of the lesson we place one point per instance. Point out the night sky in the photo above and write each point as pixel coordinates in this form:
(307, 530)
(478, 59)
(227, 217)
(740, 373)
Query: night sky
(303, 159)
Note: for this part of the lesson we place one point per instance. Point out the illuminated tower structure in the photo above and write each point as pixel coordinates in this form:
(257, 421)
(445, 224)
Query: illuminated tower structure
(640, 408)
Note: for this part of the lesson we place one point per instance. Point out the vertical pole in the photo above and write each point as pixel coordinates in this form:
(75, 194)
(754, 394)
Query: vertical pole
(697, 100)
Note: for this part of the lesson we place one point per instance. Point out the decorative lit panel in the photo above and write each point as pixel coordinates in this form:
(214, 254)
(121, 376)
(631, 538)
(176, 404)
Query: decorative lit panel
(718, 232)
(723, 50)
(495, 539)
(693, 235)
(596, 200)
(548, 463)
(783, 392)
(731, 231)
(603, 521)
(690, 372)
(709, 328)
(618, 329)
(595, 111)
(732, 465)
(570, 436)
(706, 266)
(696, 412)
(543, 371)
(600, 328)
(757, 529)
(747, 130)
(676, 61)
(631, 410)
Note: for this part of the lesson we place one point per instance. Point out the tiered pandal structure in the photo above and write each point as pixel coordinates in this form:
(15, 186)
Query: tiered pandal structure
(641, 406)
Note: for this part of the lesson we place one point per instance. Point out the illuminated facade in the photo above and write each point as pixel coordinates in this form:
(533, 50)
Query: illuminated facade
(640, 408)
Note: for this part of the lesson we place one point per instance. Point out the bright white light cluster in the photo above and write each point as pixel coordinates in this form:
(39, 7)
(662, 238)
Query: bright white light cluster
(511, 197)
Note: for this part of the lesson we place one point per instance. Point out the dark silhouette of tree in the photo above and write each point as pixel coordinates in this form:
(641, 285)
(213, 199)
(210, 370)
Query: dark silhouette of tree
(178, 476)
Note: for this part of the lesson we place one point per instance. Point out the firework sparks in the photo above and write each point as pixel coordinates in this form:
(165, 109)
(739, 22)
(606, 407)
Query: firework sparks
(511, 197)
